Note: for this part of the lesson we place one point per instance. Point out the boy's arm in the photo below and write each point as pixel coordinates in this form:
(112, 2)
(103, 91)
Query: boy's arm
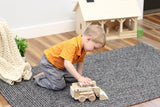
(71, 69)
(80, 67)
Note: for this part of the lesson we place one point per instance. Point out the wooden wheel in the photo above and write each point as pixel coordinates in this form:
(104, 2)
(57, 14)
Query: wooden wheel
(82, 98)
(92, 97)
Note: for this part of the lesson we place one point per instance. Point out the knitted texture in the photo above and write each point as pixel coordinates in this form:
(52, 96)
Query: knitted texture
(12, 66)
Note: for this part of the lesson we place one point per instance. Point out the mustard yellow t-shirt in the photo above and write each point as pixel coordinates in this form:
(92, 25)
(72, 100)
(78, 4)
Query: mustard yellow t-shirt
(70, 50)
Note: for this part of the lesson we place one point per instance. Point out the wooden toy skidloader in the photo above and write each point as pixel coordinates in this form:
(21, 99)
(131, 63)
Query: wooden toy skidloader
(81, 93)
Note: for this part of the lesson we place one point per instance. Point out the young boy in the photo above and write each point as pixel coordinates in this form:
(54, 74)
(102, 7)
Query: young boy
(57, 61)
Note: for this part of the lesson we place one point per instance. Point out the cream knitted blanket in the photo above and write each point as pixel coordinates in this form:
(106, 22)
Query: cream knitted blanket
(12, 67)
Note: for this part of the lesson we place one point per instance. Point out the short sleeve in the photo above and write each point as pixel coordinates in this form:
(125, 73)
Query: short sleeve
(68, 52)
(81, 59)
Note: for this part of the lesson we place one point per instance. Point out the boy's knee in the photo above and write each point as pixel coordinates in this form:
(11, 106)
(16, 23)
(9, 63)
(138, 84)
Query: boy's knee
(58, 86)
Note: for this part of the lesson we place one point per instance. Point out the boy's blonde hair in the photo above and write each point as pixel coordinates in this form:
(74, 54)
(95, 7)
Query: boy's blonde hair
(97, 33)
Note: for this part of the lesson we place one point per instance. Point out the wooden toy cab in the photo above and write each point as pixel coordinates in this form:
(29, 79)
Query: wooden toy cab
(81, 93)
(117, 17)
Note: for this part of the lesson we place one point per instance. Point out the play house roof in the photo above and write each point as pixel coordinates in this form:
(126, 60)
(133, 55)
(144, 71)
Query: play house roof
(108, 9)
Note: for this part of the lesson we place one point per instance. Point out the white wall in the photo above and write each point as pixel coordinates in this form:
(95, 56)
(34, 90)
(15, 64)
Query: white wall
(22, 15)
(33, 18)
(141, 7)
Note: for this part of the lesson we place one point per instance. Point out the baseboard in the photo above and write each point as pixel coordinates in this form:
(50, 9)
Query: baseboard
(151, 11)
(43, 30)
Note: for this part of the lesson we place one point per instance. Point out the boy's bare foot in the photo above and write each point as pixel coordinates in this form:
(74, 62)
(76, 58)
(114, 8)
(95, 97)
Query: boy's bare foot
(42, 73)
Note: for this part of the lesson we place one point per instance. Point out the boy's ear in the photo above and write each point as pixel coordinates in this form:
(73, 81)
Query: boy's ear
(89, 38)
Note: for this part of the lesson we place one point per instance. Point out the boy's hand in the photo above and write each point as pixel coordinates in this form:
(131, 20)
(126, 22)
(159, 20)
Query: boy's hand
(85, 81)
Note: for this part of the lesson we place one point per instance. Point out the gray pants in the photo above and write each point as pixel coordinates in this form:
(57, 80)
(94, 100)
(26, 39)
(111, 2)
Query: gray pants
(54, 78)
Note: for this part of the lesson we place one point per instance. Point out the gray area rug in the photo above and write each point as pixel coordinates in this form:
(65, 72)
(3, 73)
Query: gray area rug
(128, 75)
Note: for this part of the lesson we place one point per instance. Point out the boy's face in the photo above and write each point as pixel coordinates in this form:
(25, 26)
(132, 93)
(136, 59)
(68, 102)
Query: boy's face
(90, 45)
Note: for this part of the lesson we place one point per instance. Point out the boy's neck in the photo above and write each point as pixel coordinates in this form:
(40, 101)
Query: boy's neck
(83, 39)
